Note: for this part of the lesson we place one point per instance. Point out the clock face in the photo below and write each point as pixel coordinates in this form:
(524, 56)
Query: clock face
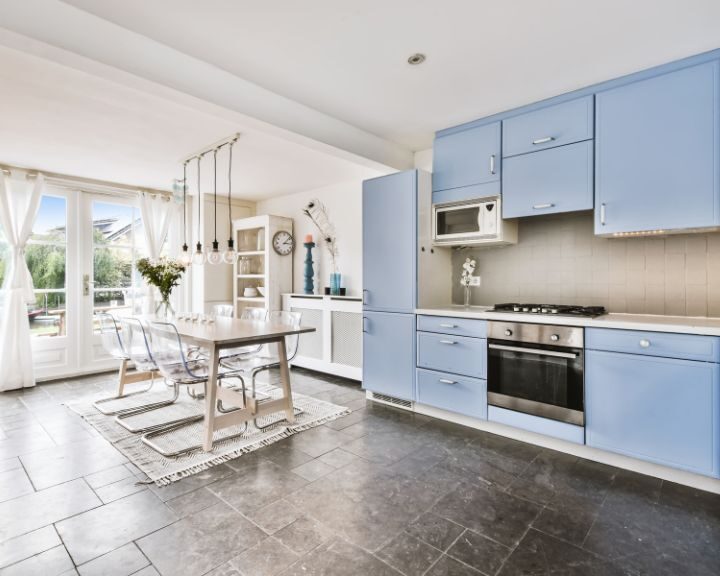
(283, 243)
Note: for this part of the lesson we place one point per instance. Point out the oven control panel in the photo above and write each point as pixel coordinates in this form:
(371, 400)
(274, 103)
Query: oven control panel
(564, 336)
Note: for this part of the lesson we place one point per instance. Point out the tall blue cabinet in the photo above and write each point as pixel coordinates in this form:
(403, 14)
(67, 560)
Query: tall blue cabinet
(390, 284)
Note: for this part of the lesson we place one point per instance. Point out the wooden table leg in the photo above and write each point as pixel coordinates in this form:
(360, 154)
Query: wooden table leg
(121, 378)
(285, 380)
(211, 398)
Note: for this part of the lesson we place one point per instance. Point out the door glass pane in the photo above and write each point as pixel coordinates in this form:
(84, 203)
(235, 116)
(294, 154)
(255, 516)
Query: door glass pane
(461, 221)
(46, 259)
(118, 243)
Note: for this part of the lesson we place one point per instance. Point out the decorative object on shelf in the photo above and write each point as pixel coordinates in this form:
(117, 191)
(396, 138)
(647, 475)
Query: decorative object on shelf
(283, 242)
(214, 256)
(318, 216)
(335, 282)
(185, 255)
(198, 258)
(250, 292)
(164, 274)
(466, 279)
(230, 254)
(261, 290)
(309, 272)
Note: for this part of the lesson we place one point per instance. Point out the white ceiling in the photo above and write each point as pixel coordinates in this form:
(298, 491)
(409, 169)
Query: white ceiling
(348, 59)
(62, 120)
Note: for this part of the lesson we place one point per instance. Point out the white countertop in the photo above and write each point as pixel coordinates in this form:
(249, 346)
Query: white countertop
(648, 322)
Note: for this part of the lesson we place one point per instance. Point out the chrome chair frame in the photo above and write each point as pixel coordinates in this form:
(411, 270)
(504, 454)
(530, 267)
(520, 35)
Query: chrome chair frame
(123, 377)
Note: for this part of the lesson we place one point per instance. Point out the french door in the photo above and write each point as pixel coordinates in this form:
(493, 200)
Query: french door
(82, 256)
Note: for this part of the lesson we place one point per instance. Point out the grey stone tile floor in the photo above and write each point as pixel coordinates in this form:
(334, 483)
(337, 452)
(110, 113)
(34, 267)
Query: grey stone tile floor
(378, 492)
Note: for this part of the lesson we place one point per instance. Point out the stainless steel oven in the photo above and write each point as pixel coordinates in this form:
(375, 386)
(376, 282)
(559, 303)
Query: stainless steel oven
(537, 369)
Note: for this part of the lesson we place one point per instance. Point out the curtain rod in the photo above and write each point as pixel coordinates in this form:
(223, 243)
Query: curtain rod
(85, 184)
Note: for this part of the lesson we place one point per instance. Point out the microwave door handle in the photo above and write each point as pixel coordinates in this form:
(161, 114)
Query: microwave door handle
(479, 219)
(533, 351)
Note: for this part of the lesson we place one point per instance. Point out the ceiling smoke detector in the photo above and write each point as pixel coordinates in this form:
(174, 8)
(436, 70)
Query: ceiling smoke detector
(416, 59)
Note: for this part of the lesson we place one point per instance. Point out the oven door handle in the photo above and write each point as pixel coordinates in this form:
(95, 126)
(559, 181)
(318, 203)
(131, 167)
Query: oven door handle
(534, 351)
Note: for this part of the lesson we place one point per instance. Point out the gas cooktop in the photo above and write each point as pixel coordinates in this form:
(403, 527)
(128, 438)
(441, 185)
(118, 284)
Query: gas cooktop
(550, 309)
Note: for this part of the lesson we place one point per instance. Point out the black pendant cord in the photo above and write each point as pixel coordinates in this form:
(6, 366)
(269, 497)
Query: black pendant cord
(215, 240)
(199, 244)
(185, 246)
(231, 242)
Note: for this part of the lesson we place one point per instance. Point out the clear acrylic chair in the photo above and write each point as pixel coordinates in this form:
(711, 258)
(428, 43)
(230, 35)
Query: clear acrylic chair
(223, 310)
(266, 357)
(113, 342)
(139, 349)
(171, 358)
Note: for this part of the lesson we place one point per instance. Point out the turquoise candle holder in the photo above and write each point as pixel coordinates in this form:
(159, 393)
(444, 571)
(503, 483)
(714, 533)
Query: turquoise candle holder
(309, 273)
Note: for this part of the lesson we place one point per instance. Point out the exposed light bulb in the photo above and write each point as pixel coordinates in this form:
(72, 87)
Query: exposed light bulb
(229, 255)
(185, 256)
(198, 258)
(214, 256)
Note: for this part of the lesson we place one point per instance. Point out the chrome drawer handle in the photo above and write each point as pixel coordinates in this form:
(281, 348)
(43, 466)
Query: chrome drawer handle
(543, 140)
(492, 164)
(602, 214)
(644, 343)
(448, 326)
(447, 342)
(446, 381)
(543, 206)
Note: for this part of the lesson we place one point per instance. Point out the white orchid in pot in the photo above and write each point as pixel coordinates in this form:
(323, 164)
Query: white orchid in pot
(467, 279)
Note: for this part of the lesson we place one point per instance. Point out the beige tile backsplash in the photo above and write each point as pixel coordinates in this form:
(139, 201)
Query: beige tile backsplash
(559, 260)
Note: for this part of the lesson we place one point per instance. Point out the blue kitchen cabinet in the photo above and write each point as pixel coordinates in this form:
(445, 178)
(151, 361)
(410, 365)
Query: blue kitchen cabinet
(663, 410)
(389, 223)
(548, 182)
(467, 158)
(388, 354)
(548, 127)
(657, 165)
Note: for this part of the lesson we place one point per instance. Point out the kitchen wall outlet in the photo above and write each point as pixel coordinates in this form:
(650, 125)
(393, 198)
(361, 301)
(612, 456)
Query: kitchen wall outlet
(475, 281)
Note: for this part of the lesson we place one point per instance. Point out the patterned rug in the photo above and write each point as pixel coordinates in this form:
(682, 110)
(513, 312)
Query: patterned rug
(309, 412)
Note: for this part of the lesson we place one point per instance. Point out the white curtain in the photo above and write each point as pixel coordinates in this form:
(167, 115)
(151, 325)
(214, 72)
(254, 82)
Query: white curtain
(19, 203)
(157, 212)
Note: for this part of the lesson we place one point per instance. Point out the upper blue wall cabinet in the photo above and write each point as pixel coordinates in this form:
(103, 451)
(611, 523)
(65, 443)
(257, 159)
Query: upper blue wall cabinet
(657, 160)
(549, 127)
(549, 182)
(389, 222)
(468, 158)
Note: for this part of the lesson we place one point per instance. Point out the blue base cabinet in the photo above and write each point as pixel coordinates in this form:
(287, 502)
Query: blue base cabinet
(664, 410)
(388, 352)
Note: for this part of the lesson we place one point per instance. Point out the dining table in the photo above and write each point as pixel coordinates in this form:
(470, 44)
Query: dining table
(225, 333)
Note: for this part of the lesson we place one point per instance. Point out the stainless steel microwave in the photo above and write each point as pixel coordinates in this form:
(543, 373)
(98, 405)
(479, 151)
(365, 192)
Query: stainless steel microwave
(472, 222)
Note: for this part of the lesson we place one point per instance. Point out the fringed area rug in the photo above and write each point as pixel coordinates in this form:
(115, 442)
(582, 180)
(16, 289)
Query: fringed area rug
(309, 413)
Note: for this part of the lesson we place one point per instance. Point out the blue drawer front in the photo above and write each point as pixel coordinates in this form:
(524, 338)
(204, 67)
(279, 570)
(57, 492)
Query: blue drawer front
(466, 193)
(663, 410)
(451, 392)
(455, 354)
(549, 127)
(455, 326)
(548, 182)
(683, 346)
(545, 426)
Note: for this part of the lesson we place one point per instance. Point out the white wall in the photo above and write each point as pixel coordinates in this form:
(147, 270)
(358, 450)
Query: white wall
(423, 159)
(343, 202)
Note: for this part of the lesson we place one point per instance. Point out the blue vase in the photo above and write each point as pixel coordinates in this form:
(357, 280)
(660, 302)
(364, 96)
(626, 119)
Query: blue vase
(335, 282)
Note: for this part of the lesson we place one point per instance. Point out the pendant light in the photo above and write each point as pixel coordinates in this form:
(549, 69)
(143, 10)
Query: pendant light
(198, 258)
(185, 255)
(214, 256)
(230, 255)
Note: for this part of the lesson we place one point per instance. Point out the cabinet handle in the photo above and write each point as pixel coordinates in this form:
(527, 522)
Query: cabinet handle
(492, 164)
(363, 295)
(543, 206)
(644, 343)
(448, 326)
(544, 140)
(602, 214)
(364, 320)
(447, 342)
(446, 381)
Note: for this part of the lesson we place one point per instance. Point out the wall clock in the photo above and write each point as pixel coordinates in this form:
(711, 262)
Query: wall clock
(283, 242)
